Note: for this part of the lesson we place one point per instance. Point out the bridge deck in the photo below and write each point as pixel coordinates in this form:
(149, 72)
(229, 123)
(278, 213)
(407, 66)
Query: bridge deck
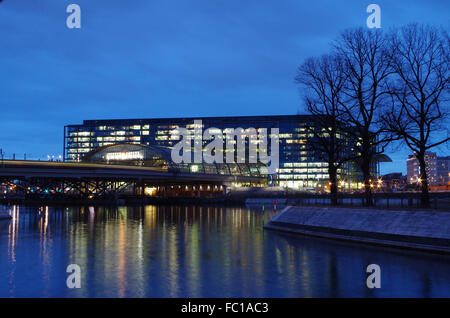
(64, 170)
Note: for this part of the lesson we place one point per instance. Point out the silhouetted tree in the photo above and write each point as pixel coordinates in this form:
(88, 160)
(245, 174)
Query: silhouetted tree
(367, 68)
(420, 93)
(322, 80)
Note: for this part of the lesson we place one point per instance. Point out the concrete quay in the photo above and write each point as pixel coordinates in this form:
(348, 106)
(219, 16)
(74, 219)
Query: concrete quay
(427, 231)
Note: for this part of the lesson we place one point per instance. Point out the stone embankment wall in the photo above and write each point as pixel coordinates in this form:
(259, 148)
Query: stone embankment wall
(408, 229)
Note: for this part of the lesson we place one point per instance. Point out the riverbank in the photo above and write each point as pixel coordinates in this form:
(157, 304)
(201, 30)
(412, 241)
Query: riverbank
(254, 198)
(427, 231)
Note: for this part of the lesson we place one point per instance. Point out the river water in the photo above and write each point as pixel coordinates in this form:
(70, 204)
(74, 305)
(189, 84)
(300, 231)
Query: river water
(176, 251)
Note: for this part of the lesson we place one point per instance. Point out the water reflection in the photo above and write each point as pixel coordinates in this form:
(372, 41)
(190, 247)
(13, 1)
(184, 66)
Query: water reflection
(173, 251)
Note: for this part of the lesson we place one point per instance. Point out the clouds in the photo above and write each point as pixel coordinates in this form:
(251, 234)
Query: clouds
(165, 58)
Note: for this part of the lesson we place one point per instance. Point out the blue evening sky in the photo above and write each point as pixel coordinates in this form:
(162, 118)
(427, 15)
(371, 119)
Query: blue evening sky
(167, 58)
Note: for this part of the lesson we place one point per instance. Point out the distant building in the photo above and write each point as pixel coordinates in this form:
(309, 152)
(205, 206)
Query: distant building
(443, 170)
(393, 181)
(299, 166)
(437, 169)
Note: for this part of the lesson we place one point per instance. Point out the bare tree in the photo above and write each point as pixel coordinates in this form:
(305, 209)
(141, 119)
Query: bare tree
(322, 80)
(420, 92)
(367, 66)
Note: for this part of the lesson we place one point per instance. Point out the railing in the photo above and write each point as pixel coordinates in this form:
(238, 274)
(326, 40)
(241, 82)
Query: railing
(438, 200)
(379, 202)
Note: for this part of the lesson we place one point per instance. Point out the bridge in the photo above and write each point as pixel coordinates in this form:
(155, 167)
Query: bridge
(94, 180)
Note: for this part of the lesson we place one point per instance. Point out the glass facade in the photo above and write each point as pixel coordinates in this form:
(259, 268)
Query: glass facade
(299, 166)
(159, 157)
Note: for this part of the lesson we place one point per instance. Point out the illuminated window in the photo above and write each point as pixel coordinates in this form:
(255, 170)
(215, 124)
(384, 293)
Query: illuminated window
(194, 168)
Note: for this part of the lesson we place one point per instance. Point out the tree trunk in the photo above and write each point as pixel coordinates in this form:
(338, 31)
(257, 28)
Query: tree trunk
(368, 201)
(425, 195)
(332, 171)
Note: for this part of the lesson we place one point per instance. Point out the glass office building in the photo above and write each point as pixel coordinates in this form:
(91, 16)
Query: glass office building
(299, 166)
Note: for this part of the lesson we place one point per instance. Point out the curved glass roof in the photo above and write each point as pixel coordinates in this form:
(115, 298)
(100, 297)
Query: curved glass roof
(160, 157)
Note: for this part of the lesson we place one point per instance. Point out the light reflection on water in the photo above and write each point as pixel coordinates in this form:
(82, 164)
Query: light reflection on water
(172, 251)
